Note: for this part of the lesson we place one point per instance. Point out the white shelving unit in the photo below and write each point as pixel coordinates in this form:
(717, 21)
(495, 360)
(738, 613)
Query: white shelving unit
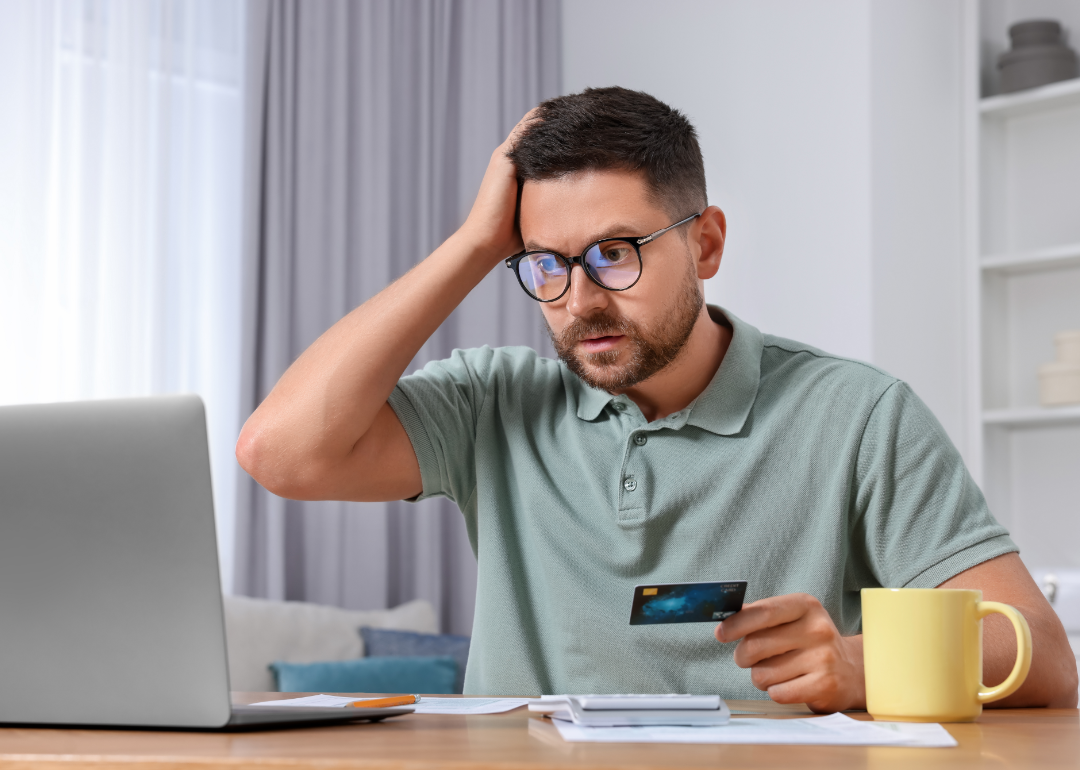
(1023, 277)
(1054, 258)
(1035, 101)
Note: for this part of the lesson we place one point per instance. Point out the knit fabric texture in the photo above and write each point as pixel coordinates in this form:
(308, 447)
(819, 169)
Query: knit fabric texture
(796, 470)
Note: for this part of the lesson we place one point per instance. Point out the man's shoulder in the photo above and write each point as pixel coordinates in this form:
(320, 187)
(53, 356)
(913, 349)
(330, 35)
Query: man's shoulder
(786, 357)
(819, 381)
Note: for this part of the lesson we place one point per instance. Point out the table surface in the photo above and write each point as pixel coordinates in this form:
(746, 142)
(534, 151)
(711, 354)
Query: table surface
(524, 741)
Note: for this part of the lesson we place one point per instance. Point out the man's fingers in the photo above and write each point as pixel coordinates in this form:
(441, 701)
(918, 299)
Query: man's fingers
(823, 693)
(779, 669)
(769, 643)
(521, 125)
(765, 613)
(825, 677)
(812, 630)
(796, 690)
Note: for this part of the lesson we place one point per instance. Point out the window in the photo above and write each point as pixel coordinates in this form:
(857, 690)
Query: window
(120, 216)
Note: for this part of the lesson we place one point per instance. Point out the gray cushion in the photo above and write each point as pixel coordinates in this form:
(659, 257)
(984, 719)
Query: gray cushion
(383, 642)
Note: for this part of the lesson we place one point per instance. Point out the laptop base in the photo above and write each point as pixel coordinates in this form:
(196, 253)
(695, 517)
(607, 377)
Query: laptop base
(246, 719)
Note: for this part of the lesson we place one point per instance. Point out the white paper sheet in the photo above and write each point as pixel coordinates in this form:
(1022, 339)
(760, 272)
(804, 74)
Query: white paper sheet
(555, 706)
(469, 705)
(426, 705)
(832, 730)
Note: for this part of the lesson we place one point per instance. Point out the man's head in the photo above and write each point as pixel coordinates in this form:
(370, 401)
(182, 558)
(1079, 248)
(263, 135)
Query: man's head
(609, 129)
(612, 162)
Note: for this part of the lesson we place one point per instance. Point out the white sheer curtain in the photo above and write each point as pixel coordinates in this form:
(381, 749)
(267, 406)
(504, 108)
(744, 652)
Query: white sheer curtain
(120, 170)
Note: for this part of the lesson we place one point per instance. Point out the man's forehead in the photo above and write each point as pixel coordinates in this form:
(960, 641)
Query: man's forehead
(558, 213)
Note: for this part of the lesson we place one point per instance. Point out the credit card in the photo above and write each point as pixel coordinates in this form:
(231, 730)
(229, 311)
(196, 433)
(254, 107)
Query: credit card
(686, 602)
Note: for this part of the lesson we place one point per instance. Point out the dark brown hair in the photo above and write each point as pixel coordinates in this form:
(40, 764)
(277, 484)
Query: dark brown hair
(616, 128)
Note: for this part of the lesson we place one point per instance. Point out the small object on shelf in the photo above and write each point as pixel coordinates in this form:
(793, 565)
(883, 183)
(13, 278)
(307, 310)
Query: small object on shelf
(1068, 346)
(1059, 382)
(1039, 56)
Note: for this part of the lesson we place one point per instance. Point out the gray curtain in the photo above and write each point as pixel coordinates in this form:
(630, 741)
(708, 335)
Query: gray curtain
(368, 127)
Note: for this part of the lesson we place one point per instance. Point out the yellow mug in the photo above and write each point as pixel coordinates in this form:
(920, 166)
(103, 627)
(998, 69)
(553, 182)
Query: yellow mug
(922, 654)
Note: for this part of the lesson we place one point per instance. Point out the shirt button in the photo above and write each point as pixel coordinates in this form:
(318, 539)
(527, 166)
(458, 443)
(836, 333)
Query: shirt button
(640, 439)
(629, 485)
(620, 406)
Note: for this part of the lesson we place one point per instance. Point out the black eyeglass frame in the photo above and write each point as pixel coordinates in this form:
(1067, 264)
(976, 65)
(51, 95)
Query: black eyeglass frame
(635, 241)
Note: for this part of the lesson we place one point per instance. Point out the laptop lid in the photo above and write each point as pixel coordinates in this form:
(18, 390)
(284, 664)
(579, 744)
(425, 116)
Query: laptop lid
(109, 587)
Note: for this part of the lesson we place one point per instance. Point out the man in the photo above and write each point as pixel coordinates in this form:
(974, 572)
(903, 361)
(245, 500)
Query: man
(671, 442)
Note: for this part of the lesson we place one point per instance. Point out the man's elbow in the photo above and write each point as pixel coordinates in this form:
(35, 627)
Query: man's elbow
(1068, 685)
(1061, 683)
(253, 455)
(264, 461)
(1055, 685)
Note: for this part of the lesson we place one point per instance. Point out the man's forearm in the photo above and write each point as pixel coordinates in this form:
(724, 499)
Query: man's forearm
(329, 397)
(1052, 678)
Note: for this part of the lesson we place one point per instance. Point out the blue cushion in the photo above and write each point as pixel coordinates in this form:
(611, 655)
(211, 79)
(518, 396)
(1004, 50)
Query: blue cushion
(382, 642)
(434, 675)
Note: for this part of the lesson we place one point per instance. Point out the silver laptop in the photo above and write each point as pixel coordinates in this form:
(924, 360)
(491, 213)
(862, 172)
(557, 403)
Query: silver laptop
(110, 598)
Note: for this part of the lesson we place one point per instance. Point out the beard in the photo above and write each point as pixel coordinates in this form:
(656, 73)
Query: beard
(651, 348)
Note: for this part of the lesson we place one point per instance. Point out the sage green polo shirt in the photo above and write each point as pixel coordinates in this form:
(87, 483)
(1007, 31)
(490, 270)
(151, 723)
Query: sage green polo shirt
(795, 470)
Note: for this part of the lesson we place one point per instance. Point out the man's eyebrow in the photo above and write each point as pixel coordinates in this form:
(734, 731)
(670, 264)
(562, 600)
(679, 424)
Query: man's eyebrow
(615, 231)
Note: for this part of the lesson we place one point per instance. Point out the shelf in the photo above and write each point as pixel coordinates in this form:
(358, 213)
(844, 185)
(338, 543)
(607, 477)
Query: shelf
(1033, 416)
(1041, 99)
(1054, 258)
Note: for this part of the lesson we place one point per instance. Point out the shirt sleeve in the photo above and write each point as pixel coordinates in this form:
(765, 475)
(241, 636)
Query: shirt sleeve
(919, 517)
(438, 407)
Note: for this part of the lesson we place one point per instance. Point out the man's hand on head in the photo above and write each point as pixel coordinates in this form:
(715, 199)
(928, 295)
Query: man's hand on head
(796, 654)
(492, 222)
(327, 431)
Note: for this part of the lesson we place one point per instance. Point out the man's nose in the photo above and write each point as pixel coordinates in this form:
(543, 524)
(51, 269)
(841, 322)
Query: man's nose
(586, 297)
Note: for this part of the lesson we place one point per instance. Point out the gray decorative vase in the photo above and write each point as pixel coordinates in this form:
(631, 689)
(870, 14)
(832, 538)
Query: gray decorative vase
(1038, 56)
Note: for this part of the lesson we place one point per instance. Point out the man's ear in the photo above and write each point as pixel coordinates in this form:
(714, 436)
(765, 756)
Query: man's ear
(711, 234)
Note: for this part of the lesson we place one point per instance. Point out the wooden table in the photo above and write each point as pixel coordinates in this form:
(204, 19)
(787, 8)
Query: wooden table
(1047, 738)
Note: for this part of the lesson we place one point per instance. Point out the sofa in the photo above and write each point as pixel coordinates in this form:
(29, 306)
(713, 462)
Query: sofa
(260, 632)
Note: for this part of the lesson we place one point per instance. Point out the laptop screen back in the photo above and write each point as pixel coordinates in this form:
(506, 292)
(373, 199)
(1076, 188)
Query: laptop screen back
(110, 596)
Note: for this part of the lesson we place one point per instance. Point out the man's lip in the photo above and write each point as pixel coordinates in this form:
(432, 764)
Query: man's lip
(603, 342)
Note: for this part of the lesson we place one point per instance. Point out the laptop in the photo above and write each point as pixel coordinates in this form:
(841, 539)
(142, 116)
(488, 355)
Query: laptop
(110, 596)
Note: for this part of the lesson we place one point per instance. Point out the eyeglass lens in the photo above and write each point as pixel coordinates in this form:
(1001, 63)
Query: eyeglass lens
(614, 264)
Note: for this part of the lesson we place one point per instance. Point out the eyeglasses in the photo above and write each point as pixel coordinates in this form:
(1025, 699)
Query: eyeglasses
(610, 263)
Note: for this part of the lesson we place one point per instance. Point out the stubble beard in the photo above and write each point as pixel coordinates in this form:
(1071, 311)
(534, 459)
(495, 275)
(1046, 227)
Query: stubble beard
(650, 349)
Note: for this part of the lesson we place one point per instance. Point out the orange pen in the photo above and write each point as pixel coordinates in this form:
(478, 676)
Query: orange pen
(380, 703)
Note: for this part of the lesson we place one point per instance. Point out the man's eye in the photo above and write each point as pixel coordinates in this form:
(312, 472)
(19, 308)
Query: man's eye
(549, 265)
(613, 255)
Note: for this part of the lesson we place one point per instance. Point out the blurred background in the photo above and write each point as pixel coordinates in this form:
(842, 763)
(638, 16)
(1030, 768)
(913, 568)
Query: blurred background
(191, 191)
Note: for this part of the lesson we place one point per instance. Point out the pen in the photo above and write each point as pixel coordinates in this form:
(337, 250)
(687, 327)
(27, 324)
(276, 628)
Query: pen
(378, 703)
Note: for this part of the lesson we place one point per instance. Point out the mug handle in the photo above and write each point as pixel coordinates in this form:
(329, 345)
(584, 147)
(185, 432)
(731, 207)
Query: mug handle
(1023, 651)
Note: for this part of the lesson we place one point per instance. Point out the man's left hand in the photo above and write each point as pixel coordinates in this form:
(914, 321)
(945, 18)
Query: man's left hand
(796, 654)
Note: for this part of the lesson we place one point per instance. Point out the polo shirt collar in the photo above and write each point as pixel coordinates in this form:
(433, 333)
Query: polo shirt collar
(723, 406)
(591, 401)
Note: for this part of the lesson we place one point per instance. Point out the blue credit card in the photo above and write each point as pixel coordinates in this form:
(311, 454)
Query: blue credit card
(686, 602)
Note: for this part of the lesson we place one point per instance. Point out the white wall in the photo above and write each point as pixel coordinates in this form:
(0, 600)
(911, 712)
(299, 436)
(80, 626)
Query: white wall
(916, 172)
(778, 92)
(831, 132)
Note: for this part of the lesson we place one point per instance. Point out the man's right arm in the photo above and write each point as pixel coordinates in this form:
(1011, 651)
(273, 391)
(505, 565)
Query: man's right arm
(326, 431)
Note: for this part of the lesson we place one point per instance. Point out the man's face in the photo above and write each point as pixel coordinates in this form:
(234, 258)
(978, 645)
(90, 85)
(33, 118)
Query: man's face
(613, 339)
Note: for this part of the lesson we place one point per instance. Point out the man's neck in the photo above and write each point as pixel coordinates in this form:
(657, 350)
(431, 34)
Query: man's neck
(684, 379)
